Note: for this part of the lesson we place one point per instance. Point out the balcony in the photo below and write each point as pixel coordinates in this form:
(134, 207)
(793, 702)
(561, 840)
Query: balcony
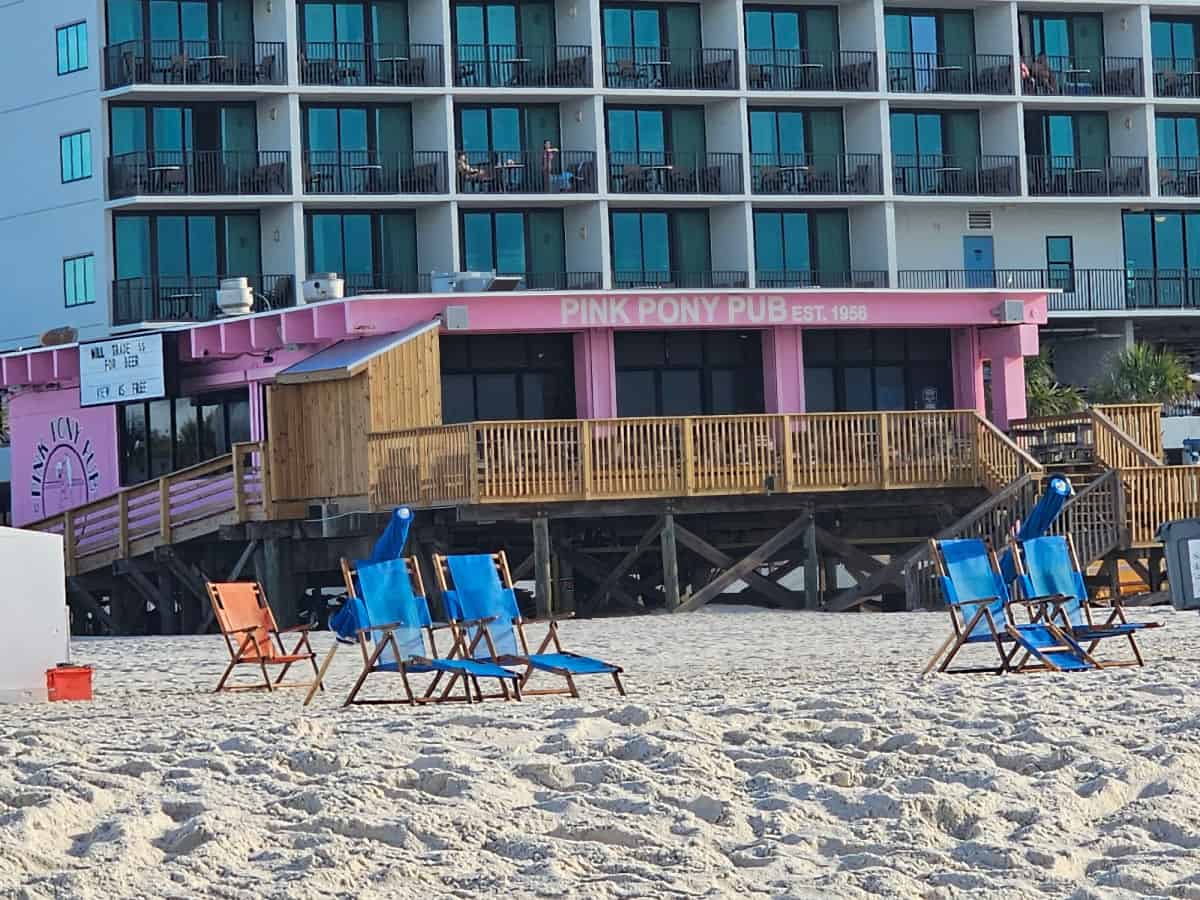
(811, 70)
(949, 73)
(371, 65)
(806, 278)
(808, 173)
(670, 68)
(721, 279)
(512, 65)
(371, 172)
(1065, 76)
(189, 298)
(558, 281)
(194, 62)
(207, 172)
(1175, 77)
(1179, 176)
(1080, 290)
(652, 172)
(1065, 176)
(940, 174)
(486, 172)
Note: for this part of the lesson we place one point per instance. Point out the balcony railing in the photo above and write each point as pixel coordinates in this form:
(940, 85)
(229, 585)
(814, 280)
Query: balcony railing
(949, 73)
(806, 278)
(155, 172)
(654, 172)
(1079, 76)
(187, 298)
(557, 281)
(357, 283)
(671, 68)
(815, 173)
(1066, 176)
(1176, 77)
(371, 172)
(1179, 176)
(515, 65)
(534, 172)
(1080, 290)
(194, 62)
(378, 64)
(644, 278)
(939, 173)
(811, 70)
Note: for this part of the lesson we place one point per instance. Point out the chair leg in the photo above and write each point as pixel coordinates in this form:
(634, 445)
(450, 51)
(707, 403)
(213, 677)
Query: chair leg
(620, 687)
(282, 673)
(408, 691)
(938, 655)
(262, 664)
(317, 674)
(571, 686)
(325, 663)
(225, 677)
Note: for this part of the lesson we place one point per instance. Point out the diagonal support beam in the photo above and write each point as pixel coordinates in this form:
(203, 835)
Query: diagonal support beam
(596, 570)
(744, 569)
(243, 560)
(626, 563)
(75, 586)
(861, 565)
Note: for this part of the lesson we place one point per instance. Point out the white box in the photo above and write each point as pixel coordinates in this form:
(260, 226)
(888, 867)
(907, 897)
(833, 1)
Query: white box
(34, 631)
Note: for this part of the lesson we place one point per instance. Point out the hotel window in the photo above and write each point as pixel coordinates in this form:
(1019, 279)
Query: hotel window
(1060, 263)
(854, 370)
(161, 436)
(515, 243)
(805, 249)
(507, 376)
(79, 280)
(1162, 259)
(661, 248)
(75, 155)
(372, 252)
(679, 373)
(72, 42)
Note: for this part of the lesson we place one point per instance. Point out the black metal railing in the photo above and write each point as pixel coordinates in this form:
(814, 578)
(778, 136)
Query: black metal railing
(372, 172)
(190, 298)
(358, 283)
(556, 281)
(679, 68)
(811, 70)
(151, 172)
(1082, 76)
(815, 173)
(949, 73)
(515, 65)
(1179, 176)
(665, 172)
(1176, 77)
(194, 62)
(1079, 290)
(380, 64)
(659, 278)
(807, 278)
(532, 172)
(940, 173)
(1067, 176)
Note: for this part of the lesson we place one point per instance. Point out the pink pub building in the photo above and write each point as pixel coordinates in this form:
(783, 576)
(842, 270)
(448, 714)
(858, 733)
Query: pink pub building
(108, 432)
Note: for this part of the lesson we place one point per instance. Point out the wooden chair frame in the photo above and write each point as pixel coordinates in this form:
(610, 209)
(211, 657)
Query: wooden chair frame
(1001, 632)
(371, 655)
(550, 642)
(238, 651)
(1052, 609)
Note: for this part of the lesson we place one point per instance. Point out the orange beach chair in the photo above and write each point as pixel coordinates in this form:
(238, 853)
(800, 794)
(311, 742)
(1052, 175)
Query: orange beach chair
(253, 638)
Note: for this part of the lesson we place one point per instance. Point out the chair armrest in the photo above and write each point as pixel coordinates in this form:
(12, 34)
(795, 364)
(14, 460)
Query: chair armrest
(247, 630)
(976, 600)
(390, 626)
(295, 629)
(473, 623)
(546, 620)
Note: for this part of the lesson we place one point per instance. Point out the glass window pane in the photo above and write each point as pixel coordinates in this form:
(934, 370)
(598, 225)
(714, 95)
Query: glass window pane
(758, 30)
(239, 420)
(626, 241)
(510, 242)
(506, 130)
(1139, 245)
(202, 245)
(132, 240)
(796, 242)
(618, 27)
(651, 133)
(171, 240)
(326, 243)
(160, 438)
(318, 25)
(353, 124)
(685, 348)
(134, 461)
(763, 137)
(458, 398)
(1168, 241)
(187, 435)
(128, 129)
(635, 394)
(533, 395)
(818, 390)
(124, 20)
(499, 351)
(681, 392)
(359, 250)
(1058, 249)
(787, 31)
(791, 133)
(468, 24)
(501, 24)
(656, 245)
(859, 388)
(193, 19)
(768, 241)
(322, 128)
(496, 396)
(477, 242)
(646, 31)
(889, 387)
(646, 349)
(473, 124)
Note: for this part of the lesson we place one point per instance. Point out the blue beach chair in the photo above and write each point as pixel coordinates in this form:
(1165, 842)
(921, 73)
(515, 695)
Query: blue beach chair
(392, 625)
(479, 587)
(1048, 571)
(979, 604)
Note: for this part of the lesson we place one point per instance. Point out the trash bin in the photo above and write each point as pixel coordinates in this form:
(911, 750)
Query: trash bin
(1181, 541)
(1191, 447)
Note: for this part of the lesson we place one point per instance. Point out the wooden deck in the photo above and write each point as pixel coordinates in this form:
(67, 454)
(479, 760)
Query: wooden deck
(688, 456)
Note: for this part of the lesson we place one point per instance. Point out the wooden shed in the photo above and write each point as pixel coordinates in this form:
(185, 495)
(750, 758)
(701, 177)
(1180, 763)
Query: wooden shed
(321, 411)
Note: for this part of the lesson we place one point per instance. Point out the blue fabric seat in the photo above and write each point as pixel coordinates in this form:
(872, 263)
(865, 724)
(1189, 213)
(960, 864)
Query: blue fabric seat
(477, 587)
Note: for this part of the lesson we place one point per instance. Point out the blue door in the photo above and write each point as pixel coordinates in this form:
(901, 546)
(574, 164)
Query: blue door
(979, 262)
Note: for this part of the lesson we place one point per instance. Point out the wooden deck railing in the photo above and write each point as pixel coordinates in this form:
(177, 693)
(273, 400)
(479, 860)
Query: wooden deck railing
(179, 506)
(1141, 421)
(1115, 448)
(1157, 494)
(564, 460)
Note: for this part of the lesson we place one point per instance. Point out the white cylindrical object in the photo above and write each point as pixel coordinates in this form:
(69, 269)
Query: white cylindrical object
(235, 298)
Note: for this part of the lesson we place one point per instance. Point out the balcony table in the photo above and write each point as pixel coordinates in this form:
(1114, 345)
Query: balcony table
(507, 170)
(660, 174)
(658, 69)
(392, 60)
(517, 73)
(366, 172)
(790, 175)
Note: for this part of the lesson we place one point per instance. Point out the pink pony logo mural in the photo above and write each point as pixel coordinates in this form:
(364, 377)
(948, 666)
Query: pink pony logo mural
(64, 469)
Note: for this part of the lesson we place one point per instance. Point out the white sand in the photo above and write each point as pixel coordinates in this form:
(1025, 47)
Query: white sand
(758, 754)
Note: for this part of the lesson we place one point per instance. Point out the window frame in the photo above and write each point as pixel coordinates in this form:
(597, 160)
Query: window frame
(908, 363)
(530, 367)
(704, 369)
(62, 148)
(67, 261)
(225, 398)
(81, 57)
(1068, 286)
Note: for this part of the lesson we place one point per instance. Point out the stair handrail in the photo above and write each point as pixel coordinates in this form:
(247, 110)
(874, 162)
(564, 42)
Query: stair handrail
(1116, 449)
(1023, 464)
(1114, 528)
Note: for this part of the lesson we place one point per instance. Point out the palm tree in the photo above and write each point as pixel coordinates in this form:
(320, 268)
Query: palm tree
(1044, 396)
(1144, 374)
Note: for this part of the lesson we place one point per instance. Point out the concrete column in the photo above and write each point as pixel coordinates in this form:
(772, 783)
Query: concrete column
(967, 369)
(275, 570)
(783, 369)
(595, 374)
(543, 580)
(1007, 348)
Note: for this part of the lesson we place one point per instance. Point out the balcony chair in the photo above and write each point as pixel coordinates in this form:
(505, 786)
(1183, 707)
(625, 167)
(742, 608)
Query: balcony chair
(280, 296)
(630, 74)
(265, 70)
(709, 180)
(758, 77)
(181, 70)
(859, 181)
(633, 179)
(770, 180)
(853, 77)
(571, 72)
(585, 177)
(717, 76)
(682, 180)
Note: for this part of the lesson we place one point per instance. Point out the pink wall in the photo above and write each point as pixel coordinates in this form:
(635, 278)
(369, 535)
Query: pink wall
(62, 456)
(783, 369)
(1007, 348)
(595, 376)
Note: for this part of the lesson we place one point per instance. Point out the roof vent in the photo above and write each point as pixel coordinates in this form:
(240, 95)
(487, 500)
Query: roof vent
(979, 220)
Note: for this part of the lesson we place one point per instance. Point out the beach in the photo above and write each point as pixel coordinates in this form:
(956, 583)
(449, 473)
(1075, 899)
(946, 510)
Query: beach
(758, 754)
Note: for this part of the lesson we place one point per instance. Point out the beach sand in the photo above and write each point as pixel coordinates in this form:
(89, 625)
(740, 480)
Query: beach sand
(758, 754)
